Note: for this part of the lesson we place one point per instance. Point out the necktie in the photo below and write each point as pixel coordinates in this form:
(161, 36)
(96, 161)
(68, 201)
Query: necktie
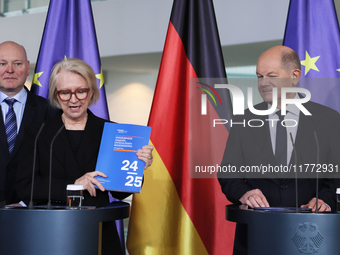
(11, 124)
(281, 142)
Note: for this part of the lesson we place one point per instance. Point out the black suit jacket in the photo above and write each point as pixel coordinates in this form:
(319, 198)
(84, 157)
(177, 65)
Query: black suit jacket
(67, 166)
(249, 146)
(36, 109)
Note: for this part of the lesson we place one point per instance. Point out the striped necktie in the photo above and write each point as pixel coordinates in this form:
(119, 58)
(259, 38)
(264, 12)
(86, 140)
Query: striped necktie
(11, 124)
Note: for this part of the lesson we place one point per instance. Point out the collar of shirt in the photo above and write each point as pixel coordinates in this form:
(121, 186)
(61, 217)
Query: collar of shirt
(18, 107)
(291, 108)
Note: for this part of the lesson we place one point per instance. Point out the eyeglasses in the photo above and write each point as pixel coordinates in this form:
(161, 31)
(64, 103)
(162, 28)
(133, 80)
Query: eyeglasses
(65, 95)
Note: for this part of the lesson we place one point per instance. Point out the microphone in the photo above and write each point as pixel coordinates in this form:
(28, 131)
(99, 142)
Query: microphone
(317, 174)
(30, 206)
(50, 173)
(296, 179)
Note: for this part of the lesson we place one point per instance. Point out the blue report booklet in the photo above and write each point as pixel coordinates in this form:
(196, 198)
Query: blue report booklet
(117, 156)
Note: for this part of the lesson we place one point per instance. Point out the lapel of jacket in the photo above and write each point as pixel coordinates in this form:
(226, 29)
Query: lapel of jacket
(304, 134)
(263, 136)
(90, 142)
(3, 137)
(303, 139)
(62, 154)
(27, 118)
(85, 159)
(264, 140)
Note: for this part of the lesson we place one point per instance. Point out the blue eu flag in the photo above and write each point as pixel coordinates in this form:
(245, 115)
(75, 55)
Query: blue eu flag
(69, 33)
(312, 30)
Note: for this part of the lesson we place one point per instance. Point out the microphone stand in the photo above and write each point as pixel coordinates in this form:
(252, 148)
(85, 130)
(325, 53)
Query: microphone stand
(50, 173)
(296, 179)
(317, 174)
(30, 206)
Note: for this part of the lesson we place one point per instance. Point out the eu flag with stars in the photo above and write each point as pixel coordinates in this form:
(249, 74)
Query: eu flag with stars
(312, 30)
(69, 33)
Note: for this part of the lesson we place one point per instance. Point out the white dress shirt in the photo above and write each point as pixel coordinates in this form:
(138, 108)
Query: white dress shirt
(18, 107)
(291, 121)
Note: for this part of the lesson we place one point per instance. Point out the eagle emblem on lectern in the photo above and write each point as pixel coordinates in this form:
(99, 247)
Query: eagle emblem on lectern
(307, 238)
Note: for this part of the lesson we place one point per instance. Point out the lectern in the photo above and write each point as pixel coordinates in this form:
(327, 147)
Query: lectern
(56, 231)
(288, 232)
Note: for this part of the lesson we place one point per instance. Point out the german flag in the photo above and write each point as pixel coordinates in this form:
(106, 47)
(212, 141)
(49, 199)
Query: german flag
(180, 211)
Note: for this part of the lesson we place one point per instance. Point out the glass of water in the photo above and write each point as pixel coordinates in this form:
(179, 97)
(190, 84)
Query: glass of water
(74, 196)
(338, 199)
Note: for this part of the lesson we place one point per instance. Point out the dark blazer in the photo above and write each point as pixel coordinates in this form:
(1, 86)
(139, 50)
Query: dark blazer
(247, 146)
(36, 109)
(66, 165)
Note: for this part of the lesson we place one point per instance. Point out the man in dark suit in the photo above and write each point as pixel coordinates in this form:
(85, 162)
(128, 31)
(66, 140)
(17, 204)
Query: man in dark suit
(258, 146)
(27, 107)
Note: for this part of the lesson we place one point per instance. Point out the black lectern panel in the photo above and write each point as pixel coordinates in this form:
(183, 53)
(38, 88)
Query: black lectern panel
(288, 233)
(57, 231)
